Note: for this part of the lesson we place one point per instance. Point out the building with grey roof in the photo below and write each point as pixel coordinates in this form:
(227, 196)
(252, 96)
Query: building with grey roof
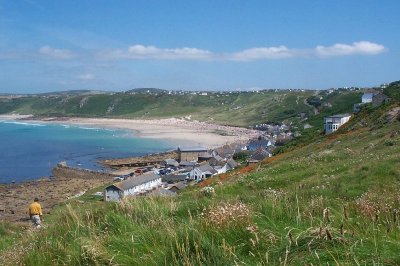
(191, 155)
(332, 123)
(132, 186)
(201, 172)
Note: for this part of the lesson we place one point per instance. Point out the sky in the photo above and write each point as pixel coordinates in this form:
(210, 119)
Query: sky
(197, 45)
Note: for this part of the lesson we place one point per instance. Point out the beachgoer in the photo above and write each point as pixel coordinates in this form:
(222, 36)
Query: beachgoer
(35, 212)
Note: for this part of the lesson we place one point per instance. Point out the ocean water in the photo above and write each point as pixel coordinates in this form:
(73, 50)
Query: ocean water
(31, 150)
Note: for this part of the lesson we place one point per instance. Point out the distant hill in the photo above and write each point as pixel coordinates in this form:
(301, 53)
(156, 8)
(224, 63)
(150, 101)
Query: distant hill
(232, 108)
(146, 90)
(73, 92)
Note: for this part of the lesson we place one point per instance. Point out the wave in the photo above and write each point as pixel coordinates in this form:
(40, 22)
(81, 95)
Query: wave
(23, 123)
(89, 128)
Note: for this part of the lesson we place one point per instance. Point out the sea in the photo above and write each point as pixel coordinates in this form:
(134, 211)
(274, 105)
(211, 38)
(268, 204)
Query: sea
(30, 150)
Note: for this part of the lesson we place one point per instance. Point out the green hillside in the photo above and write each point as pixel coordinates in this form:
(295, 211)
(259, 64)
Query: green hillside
(333, 200)
(248, 108)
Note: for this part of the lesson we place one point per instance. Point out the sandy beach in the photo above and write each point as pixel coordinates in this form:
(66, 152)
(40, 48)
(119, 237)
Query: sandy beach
(183, 133)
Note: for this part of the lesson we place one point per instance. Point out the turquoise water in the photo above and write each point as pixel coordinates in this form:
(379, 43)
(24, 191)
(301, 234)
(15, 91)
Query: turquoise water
(31, 150)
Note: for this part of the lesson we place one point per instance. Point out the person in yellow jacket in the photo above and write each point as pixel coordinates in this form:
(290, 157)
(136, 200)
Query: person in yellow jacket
(35, 213)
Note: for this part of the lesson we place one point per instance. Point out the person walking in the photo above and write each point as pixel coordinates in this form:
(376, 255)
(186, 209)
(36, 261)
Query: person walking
(35, 213)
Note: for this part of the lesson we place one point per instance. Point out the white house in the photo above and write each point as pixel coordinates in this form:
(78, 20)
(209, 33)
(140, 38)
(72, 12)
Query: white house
(229, 165)
(332, 123)
(367, 97)
(132, 186)
(201, 172)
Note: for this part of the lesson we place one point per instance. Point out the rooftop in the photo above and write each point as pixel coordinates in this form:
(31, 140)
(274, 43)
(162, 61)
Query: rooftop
(136, 181)
(198, 149)
(338, 116)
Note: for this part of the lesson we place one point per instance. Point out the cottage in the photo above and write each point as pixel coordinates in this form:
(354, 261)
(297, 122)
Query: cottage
(204, 156)
(201, 172)
(379, 99)
(190, 154)
(132, 186)
(171, 163)
(216, 160)
(187, 164)
(229, 165)
(259, 142)
(176, 188)
(162, 192)
(367, 97)
(226, 151)
(170, 178)
(332, 123)
(260, 154)
(376, 98)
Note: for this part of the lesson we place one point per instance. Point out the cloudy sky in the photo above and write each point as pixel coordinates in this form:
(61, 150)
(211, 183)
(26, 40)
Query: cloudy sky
(211, 45)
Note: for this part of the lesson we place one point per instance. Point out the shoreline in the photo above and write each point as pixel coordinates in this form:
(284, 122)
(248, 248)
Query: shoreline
(66, 184)
(183, 133)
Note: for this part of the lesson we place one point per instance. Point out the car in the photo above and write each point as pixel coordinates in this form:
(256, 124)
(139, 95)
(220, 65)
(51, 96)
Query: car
(118, 178)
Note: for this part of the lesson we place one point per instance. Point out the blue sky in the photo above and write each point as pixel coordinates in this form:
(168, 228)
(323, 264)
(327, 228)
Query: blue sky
(211, 45)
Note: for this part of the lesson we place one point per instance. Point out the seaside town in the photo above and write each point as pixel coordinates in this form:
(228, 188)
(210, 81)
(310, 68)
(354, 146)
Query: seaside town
(167, 174)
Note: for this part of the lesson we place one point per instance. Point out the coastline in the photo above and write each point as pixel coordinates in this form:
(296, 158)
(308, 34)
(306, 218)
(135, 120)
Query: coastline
(52, 191)
(184, 133)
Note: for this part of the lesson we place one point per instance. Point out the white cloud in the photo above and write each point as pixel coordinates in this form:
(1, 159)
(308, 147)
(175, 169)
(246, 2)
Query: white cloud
(139, 51)
(259, 53)
(86, 76)
(56, 53)
(363, 47)
(151, 52)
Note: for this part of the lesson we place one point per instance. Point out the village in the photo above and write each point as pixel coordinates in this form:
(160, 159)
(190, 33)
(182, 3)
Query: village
(168, 174)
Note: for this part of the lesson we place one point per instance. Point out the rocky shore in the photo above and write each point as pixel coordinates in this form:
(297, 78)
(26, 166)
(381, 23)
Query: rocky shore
(67, 182)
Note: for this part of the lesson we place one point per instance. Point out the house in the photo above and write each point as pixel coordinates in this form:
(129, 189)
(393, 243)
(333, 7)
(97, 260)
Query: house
(163, 192)
(174, 178)
(216, 160)
(132, 186)
(201, 172)
(229, 165)
(226, 151)
(259, 142)
(367, 97)
(378, 99)
(204, 156)
(171, 162)
(190, 154)
(260, 154)
(332, 123)
(187, 165)
(176, 188)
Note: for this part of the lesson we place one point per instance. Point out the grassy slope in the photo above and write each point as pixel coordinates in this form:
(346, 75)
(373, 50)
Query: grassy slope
(248, 108)
(333, 200)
